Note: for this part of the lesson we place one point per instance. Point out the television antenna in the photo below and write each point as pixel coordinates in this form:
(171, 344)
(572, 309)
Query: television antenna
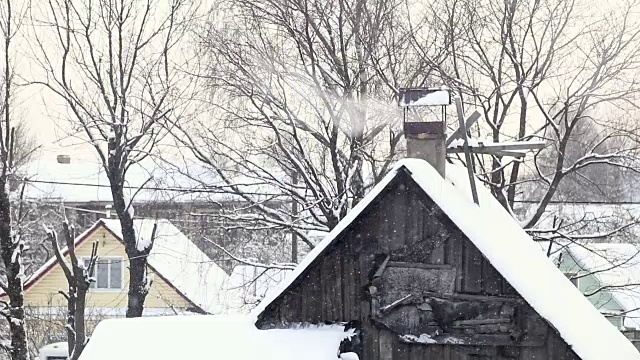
(460, 141)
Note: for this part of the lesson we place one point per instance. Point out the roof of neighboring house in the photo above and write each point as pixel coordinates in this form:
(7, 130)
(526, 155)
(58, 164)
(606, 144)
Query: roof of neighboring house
(613, 222)
(252, 283)
(181, 263)
(173, 257)
(86, 181)
(210, 337)
(508, 248)
(617, 269)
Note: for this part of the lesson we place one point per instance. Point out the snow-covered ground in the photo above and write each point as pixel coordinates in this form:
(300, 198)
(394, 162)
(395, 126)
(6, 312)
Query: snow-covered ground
(210, 337)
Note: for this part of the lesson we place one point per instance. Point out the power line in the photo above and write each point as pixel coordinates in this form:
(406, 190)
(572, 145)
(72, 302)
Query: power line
(176, 189)
(194, 190)
(580, 202)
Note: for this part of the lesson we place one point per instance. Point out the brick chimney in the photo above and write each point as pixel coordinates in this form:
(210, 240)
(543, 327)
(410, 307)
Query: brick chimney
(425, 139)
(109, 213)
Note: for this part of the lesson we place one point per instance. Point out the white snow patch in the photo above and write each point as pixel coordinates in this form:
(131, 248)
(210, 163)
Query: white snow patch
(17, 251)
(509, 249)
(349, 356)
(423, 339)
(204, 337)
(438, 97)
(144, 232)
(60, 349)
(460, 142)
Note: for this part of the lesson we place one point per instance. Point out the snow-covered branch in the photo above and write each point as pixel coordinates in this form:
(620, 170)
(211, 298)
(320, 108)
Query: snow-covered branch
(253, 263)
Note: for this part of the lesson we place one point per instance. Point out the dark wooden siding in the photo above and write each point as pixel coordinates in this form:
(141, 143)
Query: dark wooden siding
(403, 222)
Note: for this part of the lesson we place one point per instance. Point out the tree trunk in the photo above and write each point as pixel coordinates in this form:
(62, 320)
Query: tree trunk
(138, 288)
(71, 319)
(19, 349)
(137, 259)
(137, 262)
(137, 284)
(80, 333)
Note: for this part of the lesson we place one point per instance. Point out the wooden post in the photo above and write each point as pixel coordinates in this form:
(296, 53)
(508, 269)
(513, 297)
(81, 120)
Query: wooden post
(294, 213)
(467, 152)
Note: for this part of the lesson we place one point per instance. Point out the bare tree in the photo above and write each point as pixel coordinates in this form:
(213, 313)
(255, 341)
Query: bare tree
(11, 244)
(112, 65)
(304, 118)
(534, 74)
(79, 277)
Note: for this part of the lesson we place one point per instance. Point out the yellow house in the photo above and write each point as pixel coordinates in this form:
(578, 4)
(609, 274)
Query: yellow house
(185, 280)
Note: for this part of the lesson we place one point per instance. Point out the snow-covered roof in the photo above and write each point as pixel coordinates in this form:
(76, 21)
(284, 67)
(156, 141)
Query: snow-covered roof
(509, 249)
(209, 337)
(173, 257)
(609, 222)
(53, 350)
(86, 181)
(252, 283)
(181, 263)
(617, 269)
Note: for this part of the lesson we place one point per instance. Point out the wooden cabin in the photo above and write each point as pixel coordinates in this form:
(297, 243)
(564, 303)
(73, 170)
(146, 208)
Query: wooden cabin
(422, 272)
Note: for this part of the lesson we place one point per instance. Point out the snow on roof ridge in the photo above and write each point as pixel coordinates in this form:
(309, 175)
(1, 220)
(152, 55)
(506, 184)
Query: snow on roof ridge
(595, 338)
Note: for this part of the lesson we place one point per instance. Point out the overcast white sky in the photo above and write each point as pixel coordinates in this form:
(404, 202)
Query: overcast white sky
(43, 111)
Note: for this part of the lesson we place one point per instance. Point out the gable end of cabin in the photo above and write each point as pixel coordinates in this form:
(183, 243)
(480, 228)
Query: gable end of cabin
(417, 287)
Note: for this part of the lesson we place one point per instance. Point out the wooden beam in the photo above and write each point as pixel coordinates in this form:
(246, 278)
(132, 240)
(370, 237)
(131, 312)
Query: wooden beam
(385, 309)
(401, 264)
(467, 152)
(509, 153)
(471, 297)
(477, 322)
(382, 267)
(489, 147)
(478, 340)
(468, 123)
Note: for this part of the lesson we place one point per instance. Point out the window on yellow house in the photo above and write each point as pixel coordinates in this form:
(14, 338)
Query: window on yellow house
(107, 274)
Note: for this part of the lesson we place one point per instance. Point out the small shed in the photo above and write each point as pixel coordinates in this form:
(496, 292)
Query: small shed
(422, 272)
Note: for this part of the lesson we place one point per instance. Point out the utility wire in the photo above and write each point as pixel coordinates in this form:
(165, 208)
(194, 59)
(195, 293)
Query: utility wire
(221, 191)
(217, 190)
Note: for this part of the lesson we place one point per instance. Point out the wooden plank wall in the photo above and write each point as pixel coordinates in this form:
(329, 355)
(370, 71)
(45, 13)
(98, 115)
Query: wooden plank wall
(333, 287)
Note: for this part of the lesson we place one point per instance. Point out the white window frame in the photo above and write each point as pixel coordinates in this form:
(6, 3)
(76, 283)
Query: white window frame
(621, 316)
(95, 288)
